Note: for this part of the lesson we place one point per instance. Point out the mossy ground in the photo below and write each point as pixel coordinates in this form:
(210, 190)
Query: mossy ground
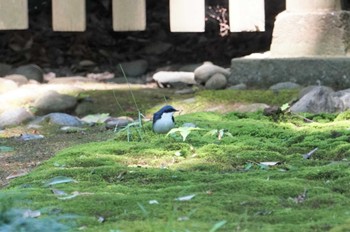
(117, 179)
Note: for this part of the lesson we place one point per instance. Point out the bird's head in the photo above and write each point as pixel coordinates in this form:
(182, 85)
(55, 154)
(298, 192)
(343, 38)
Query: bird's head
(168, 109)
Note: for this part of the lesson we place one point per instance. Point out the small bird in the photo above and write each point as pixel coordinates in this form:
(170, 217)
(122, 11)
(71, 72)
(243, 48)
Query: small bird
(163, 120)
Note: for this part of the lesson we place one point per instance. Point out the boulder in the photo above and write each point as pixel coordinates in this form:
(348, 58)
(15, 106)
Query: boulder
(164, 77)
(51, 101)
(14, 117)
(319, 100)
(7, 85)
(30, 71)
(19, 79)
(134, 68)
(217, 81)
(208, 69)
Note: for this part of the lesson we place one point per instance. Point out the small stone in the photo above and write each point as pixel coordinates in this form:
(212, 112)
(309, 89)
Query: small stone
(60, 119)
(30, 71)
(19, 79)
(134, 68)
(14, 117)
(207, 70)
(217, 81)
(119, 122)
(51, 101)
(7, 85)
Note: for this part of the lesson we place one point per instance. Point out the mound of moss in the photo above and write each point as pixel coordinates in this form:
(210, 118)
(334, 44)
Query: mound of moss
(240, 172)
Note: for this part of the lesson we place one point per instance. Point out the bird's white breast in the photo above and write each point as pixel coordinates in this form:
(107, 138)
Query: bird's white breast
(164, 124)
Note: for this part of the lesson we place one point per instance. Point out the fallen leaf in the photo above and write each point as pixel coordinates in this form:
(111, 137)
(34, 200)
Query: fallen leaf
(270, 163)
(308, 155)
(218, 225)
(31, 213)
(6, 149)
(153, 202)
(301, 197)
(183, 218)
(58, 192)
(15, 175)
(59, 180)
(27, 137)
(67, 197)
(186, 198)
(96, 118)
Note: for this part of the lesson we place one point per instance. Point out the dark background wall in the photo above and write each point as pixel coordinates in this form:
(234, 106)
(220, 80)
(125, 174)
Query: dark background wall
(62, 51)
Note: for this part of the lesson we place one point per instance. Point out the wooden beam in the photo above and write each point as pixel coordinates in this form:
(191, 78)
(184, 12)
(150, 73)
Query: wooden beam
(13, 14)
(247, 15)
(187, 15)
(68, 15)
(129, 15)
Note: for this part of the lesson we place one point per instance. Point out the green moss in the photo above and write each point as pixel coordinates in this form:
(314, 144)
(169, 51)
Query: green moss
(117, 180)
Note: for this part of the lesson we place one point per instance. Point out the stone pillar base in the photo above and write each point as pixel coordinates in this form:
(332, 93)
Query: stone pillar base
(317, 33)
(264, 72)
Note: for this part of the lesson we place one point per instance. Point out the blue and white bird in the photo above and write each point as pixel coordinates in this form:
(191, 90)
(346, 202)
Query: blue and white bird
(163, 120)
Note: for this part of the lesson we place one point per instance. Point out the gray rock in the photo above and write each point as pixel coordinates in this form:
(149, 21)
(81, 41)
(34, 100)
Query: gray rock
(51, 101)
(14, 117)
(206, 70)
(4, 69)
(119, 122)
(85, 108)
(285, 85)
(19, 79)
(217, 81)
(59, 119)
(173, 77)
(7, 85)
(134, 68)
(319, 100)
(238, 87)
(30, 71)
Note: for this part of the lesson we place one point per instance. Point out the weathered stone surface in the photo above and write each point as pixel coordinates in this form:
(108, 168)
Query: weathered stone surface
(208, 69)
(51, 101)
(217, 81)
(262, 73)
(319, 100)
(14, 117)
(311, 34)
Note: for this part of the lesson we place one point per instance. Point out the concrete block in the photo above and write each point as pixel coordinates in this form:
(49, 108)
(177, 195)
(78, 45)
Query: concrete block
(264, 72)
